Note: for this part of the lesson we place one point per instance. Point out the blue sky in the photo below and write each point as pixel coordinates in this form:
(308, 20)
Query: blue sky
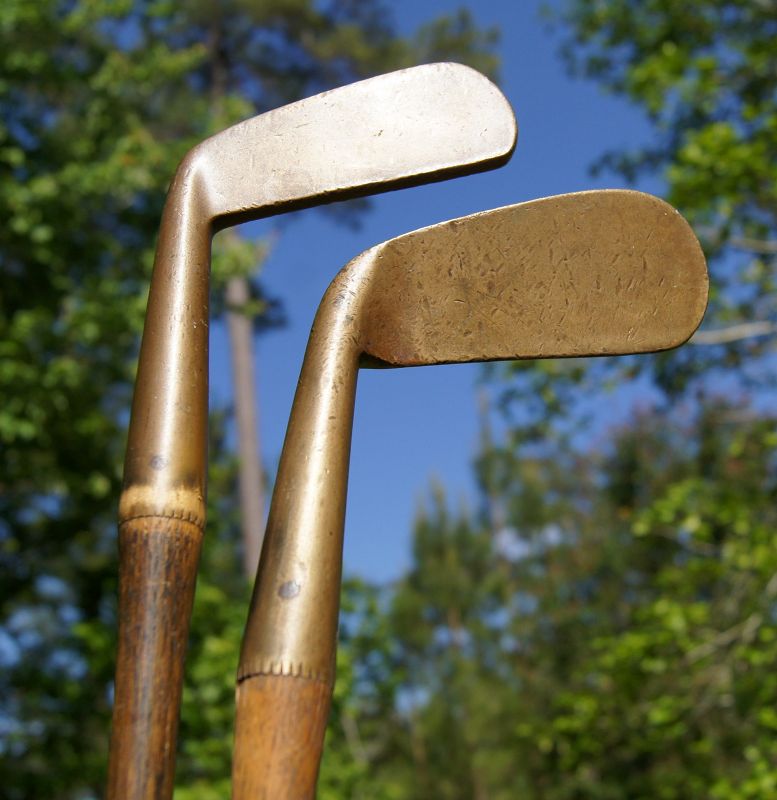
(415, 425)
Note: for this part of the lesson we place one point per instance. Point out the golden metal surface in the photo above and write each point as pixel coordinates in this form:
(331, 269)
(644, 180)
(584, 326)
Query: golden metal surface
(595, 273)
(409, 127)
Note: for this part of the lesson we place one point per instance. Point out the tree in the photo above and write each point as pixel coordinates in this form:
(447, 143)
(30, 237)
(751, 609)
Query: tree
(99, 102)
(659, 613)
(704, 74)
(612, 635)
(618, 618)
(84, 154)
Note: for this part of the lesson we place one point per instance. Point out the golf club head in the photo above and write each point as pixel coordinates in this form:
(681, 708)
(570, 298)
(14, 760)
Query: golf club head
(416, 125)
(596, 273)
(593, 273)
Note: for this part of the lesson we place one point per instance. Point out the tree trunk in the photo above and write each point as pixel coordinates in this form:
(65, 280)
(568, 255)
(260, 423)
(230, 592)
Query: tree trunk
(250, 473)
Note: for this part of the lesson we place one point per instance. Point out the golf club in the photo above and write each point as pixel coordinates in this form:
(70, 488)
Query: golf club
(409, 127)
(594, 273)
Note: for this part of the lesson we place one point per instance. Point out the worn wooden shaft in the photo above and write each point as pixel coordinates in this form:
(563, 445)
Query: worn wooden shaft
(279, 731)
(158, 563)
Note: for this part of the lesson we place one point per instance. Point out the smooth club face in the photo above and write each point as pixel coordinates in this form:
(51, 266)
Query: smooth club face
(416, 125)
(595, 273)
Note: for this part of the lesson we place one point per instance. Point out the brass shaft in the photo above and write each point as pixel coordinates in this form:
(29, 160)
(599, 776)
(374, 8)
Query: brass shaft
(292, 624)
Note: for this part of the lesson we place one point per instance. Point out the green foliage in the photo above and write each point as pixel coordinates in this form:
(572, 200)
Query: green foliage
(603, 628)
(98, 102)
(80, 193)
(704, 73)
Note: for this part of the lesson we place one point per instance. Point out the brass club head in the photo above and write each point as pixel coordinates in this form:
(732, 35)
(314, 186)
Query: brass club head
(413, 126)
(595, 273)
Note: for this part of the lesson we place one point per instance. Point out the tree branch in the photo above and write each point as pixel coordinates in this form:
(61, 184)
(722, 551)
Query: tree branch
(745, 630)
(733, 333)
(761, 246)
(717, 238)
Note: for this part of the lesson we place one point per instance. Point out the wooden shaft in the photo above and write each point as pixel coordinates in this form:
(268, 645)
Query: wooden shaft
(159, 558)
(279, 736)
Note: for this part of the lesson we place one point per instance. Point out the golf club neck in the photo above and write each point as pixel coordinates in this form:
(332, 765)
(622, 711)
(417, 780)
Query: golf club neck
(287, 662)
(164, 472)
(293, 616)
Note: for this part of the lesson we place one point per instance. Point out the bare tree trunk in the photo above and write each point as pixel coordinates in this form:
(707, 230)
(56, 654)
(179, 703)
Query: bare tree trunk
(250, 473)
(251, 479)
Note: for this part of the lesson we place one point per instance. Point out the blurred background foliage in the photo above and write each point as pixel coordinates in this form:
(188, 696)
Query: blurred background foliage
(601, 625)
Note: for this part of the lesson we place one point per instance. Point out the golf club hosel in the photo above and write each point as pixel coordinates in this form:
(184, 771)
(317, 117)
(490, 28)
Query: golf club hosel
(292, 624)
(287, 662)
(166, 461)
